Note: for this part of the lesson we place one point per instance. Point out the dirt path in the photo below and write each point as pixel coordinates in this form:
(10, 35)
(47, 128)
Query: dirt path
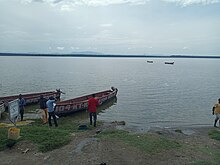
(85, 149)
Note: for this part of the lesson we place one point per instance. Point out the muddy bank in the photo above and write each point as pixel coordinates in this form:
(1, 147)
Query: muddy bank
(86, 148)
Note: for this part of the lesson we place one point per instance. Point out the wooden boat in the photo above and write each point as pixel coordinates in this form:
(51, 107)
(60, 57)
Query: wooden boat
(31, 98)
(81, 103)
(150, 61)
(171, 63)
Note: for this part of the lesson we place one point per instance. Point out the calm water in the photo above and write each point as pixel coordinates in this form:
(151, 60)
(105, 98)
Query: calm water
(149, 95)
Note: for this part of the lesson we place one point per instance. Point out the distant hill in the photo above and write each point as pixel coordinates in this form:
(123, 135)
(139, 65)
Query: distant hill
(88, 53)
(98, 54)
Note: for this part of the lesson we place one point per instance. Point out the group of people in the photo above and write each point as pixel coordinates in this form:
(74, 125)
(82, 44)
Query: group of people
(47, 107)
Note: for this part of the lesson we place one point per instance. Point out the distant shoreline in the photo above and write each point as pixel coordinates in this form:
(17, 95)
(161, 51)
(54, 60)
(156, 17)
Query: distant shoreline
(106, 55)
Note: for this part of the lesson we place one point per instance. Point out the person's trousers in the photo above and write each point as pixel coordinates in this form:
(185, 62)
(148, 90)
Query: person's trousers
(45, 116)
(22, 113)
(94, 117)
(52, 114)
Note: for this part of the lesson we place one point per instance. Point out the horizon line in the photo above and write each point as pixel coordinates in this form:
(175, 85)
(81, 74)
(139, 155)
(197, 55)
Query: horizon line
(108, 55)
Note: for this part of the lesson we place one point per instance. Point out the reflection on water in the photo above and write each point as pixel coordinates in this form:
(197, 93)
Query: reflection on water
(107, 105)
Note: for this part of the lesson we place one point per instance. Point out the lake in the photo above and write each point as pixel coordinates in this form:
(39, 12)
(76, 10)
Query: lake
(150, 94)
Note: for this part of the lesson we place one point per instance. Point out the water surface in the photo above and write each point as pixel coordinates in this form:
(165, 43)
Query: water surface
(149, 94)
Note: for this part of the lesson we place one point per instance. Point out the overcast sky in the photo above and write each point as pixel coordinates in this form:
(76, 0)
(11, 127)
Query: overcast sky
(111, 26)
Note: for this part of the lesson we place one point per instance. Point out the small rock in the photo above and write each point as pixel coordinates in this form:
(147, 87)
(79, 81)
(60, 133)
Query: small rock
(119, 122)
(38, 154)
(83, 127)
(158, 132)
(98, 131)
(25, 151)
(46, 157)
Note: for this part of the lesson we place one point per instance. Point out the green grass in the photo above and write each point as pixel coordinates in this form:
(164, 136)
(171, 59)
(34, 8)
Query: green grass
(213, 152)
(215, 134)
(3, 138)
(203, 163)
(210, 151)
(44, 137)
(146, 142)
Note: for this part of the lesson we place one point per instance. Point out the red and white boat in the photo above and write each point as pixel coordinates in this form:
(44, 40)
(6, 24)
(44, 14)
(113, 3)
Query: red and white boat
(81, 103)
(31, 98)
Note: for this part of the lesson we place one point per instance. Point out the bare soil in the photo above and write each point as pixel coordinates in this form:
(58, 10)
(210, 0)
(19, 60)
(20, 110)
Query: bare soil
(86, 149)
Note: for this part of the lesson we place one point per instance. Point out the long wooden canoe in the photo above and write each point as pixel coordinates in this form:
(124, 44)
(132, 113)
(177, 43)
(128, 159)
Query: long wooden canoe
(81, 103)
(32, 98)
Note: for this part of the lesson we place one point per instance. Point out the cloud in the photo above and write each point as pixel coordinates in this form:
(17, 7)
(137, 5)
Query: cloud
(74, 48)
(60, 48)
(106, 25)
(68, 5)
(185, 47)
(90, 2)
(66, 8)
(191, 2)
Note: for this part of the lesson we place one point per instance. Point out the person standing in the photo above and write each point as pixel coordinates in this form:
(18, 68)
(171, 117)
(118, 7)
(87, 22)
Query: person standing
(22, 103)
(50, 106)
(92, 104)
(216, 112)
(43, 106)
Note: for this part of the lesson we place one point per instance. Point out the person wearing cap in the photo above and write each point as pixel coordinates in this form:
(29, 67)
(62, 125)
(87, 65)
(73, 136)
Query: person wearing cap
(50, 106)
(216, 112)
(43, 107)
(22, 103)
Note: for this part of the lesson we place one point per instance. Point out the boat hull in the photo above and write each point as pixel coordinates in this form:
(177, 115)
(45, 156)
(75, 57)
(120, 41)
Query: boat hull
(81, 103)
(171, 63)
(31, 98)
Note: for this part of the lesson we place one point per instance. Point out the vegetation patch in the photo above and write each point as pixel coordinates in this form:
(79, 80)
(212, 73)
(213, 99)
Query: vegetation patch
(3, 138)
(178, 131)
(44, 137)
(146, 142)
(203, 163)
(215, 134)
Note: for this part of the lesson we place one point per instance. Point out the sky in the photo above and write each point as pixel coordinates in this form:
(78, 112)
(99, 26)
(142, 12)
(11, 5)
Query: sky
(150, 27)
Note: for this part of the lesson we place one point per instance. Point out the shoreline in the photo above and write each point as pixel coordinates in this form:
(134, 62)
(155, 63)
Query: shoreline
(107, 143)
(107, 55)
(83, 117)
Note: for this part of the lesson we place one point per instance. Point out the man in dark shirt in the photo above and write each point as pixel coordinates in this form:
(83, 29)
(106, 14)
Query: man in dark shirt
(43, 106)
(22, 103)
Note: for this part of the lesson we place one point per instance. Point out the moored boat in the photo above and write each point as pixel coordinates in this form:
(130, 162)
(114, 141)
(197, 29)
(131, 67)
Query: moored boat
(150, 61)
(171, 63)
(81, 103)
(31, 98)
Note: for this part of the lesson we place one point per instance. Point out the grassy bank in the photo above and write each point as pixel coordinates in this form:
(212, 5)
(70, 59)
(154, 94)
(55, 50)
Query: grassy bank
(150, 143)
(215, 134)
(44, 137)
(204, 151)
(154, 143)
